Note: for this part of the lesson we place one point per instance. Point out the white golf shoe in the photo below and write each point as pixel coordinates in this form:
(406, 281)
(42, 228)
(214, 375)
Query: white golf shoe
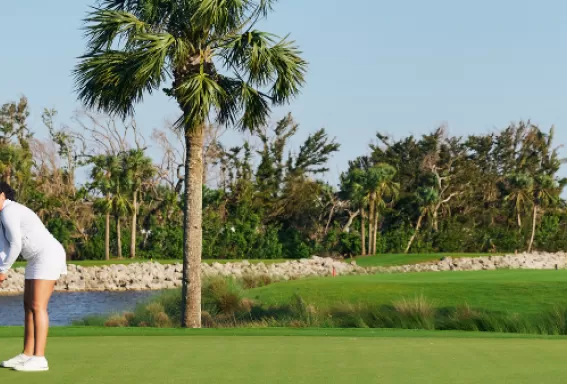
(35, 364)
(15, 361)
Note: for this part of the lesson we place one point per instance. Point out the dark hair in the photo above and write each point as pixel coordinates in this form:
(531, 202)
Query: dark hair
(7, 191)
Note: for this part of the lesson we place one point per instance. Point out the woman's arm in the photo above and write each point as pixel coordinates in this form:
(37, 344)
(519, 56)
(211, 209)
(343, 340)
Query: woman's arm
(12, 231)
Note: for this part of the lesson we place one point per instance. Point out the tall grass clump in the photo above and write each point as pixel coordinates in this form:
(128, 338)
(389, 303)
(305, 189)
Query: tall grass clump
(553, 323)
(416, 313)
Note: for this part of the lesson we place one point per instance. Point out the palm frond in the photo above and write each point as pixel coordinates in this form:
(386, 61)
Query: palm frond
(198, 94)
(229, 105)
(265, 6)
(113, 81)
(265, 62)
(221, 15)
(104, 27)
(256, 108)
(241, 105)
(103, 205)
(180, 51)
(157, 13)
(120, 5)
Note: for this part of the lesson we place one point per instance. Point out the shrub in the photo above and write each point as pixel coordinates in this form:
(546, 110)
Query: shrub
(150, 315)
(222, 296)
(116, 321)
(256, 281)
(207, 320)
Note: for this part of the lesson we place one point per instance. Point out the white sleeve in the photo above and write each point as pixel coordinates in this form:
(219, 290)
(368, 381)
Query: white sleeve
(12, 231)
(3, 246)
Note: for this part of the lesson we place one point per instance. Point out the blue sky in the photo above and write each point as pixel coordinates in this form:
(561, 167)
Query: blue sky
(401, 67)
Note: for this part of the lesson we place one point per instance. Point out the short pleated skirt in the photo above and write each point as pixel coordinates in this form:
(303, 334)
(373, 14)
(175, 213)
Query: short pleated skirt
(48, 264)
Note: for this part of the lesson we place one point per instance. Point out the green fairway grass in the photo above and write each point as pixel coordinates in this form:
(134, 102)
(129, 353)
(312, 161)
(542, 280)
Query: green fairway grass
(518, 291)
(389, 260)
(178, 356)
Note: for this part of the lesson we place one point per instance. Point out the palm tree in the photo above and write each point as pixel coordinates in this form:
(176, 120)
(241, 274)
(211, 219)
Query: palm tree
(360, 200)
(546, 193)
(138, 169)
(520, 191)
(386, 192)
(427, 199)
(103, 174)
(354, 189)
(216, 62)
(371, 218)
(104, 206)
(109, 177)
(378, 187)
(120, 208)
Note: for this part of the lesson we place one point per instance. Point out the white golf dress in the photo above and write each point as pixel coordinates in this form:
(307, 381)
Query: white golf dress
(25, 234)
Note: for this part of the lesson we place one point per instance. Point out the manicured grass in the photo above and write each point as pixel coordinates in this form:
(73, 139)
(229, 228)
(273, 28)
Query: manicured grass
(388, 260)
(349, 357)
(69, 332)
(90, 263)
(517, 291)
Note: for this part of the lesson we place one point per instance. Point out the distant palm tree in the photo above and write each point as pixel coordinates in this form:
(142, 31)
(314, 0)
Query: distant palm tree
(519, 193)
(219, 66)
(354, 187)
(120, 208)
(138, 170)
(104, 173)
(104, 206)
(379, 188)
(546, 193)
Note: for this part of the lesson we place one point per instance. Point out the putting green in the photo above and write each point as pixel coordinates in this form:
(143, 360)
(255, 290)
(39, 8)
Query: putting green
(360, 356)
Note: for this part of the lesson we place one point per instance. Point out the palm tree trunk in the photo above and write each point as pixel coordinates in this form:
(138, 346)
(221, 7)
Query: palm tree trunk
(107, 237)
(417, 228)
(363, 231)
(192, 229)
(371, 225)
(534, 222)
(134, 223)
(375, 234)
(118, 237)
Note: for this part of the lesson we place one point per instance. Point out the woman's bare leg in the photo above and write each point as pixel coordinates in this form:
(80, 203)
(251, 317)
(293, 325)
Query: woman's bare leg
(42, 290)
(29, 338)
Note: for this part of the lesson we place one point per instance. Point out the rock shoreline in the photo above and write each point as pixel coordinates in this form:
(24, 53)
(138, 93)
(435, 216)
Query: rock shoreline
(155, 276)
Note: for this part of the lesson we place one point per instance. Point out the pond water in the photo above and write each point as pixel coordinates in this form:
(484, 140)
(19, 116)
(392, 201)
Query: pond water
(65, 307)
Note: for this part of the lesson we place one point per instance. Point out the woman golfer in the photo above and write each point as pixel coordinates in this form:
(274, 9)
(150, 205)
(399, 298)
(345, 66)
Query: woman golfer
(23, 232)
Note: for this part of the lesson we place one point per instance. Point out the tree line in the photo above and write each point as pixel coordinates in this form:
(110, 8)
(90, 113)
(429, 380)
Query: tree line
(498, 192)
